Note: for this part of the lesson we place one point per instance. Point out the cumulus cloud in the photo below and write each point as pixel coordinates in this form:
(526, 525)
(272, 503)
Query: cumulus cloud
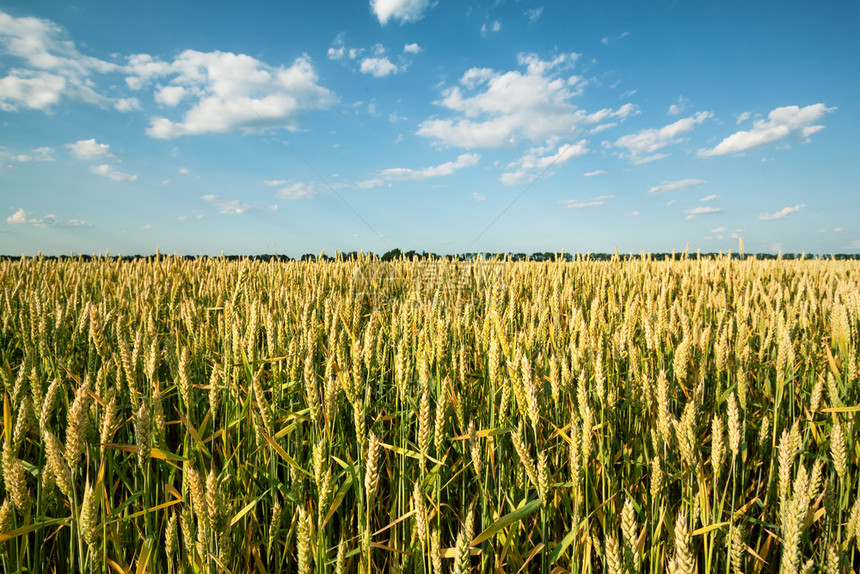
(441, 170)
(782, 213)
(373, 61)
(643, 146)
(38, 154)
(23, 217)
(228, 206)
(20, 216)
(565, 153)
(692, 213)
(534, 14)
(378, 67)
(517, 177)
(780, 124)
(478, 197)
(126, 104)
(680, 107)
(48, 67)
(496, 109)
(89, 149)
(230, 92)
(407, 174)
(105, 170)
(494, 27)
(402, 10)
(711, 197)
(535, 162)
(722, 232)
(297, 190)
(171, 95)
(233, 207)
(677, 185)
(595, 173)
(580, 204)
(142, 69)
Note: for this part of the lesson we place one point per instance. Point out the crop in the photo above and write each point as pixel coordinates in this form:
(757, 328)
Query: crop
(176, 415)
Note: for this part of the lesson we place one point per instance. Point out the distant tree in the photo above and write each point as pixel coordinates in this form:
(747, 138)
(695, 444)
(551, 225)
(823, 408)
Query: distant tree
(392, 255)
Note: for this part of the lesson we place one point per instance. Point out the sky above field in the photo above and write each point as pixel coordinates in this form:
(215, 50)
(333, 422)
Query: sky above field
(446, 126)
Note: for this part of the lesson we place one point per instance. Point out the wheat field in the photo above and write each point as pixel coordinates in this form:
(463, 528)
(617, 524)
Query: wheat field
(639, 416)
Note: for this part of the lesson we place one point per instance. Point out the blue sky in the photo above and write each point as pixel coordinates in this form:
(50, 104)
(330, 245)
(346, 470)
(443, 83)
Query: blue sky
(452, 127)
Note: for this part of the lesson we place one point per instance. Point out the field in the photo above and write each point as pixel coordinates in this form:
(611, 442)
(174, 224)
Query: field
(174, 415)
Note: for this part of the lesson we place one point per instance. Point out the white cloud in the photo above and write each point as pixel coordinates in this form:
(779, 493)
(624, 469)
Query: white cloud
(105, 170)
(378, 67)
(722, 231)
(782, 213)
(744, 117)
(494, 27)
(642, 146)
(22, 216)
(184, 171)
(534, 14)
(142, 68)
(228, 206)
(386, 176)
(532, 161)
(298, 190)
(711, 197)
(411, 48)
(692, 213)
(635, 214)
(371, 183)
(678, 108)
(402, 10)
(564, 153)
(478, 197)
(48, 67)
(677, 185)
(232, 92)
(595, 173)
(337, 50)
(127, 104)
(89, 149)
(497, 109)
(781, 123)
(171, 95)
(38, 154)
(578, 204)
(275, 182)
(855, 244)
(517, 178)
(441, 170)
